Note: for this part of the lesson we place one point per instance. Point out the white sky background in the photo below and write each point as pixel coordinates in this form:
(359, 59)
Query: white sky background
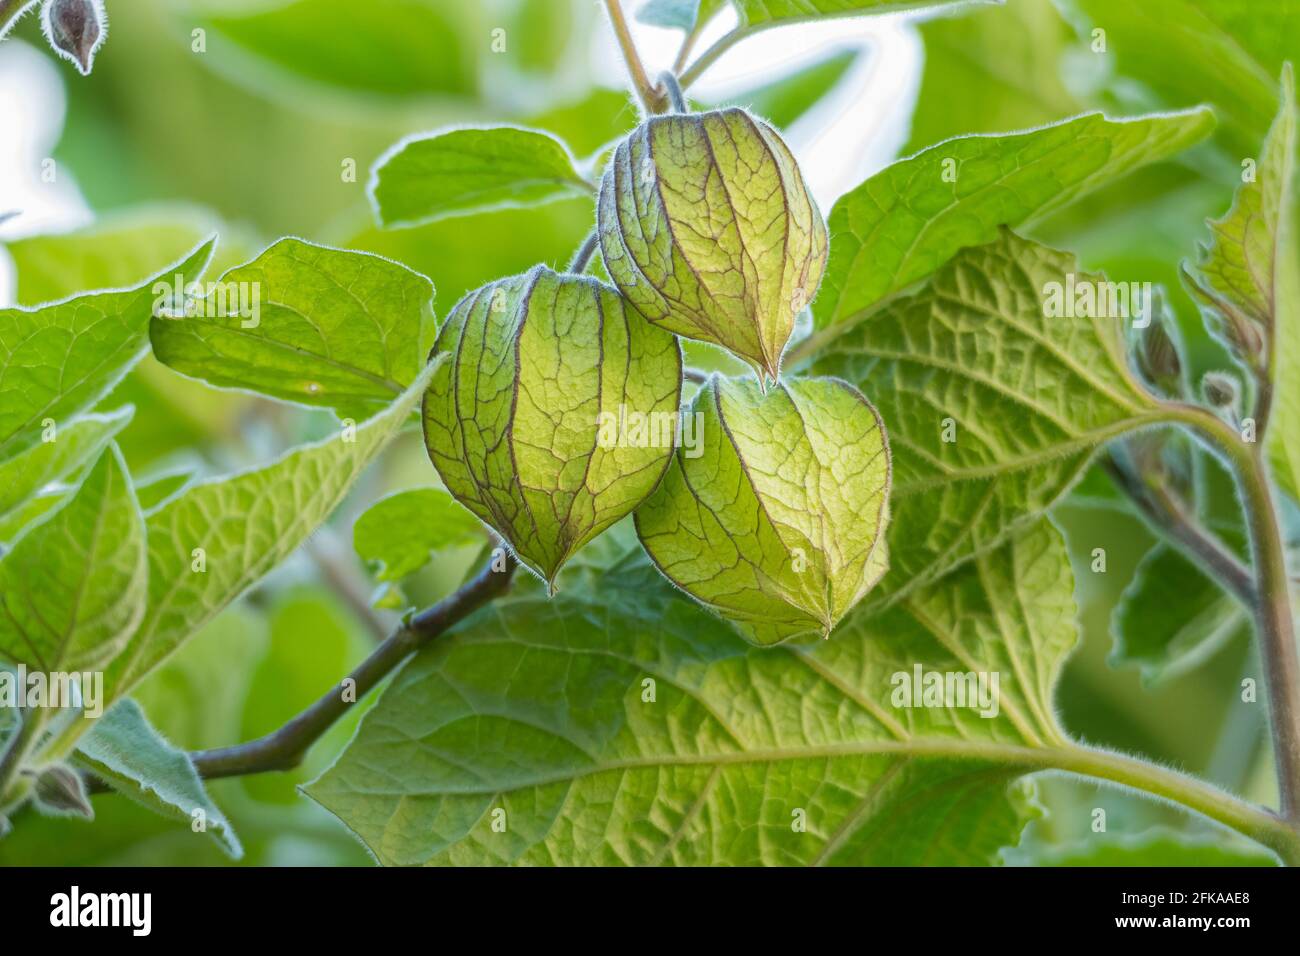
(852, 133)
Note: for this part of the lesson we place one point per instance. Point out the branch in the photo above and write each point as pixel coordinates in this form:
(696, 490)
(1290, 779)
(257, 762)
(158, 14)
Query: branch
(711, 55)
(582, 258)
(650, 98)
(285, 748)
(1274, 622)
(1167, 517)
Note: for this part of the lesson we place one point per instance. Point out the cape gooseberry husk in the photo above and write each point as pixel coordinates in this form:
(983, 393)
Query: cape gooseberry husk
(555, 414)
(778, 521)
(707, 227)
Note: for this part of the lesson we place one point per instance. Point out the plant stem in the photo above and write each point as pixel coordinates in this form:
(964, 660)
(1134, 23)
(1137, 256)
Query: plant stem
(675, 98)
(711, 55)
(20, 743)
(1273, 613)
(285, 748)
(1252, 821)
(582, 258)
(1168, 518)
(652, 100)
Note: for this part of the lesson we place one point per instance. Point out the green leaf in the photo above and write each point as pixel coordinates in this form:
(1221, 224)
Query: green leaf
(775, 517)
(307, 324)
(1250, 275)
(401, 532)
(72, 446)
(72, 588)
(153, 492)
(128, 754)
(117, 252)
(459, 171)
(398, 48)
(776, 12)
(1239, 50)
(1156, 847)
(903, 223)
(991, 68)
(240, 527)
(994, 405)
(692, 747)
(1172, 617)
(783, 101)
(58, 360)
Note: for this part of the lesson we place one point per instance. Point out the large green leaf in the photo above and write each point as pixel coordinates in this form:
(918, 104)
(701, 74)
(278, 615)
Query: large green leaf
(627, 726)
(58, 360)
(465, 170)
(128, 754)
(308, 324)
(1172, 617)
(406, 48)
(1238, 47)
(1250, 275)
(906, 221)
(242, 526)
(72, 589)
(400, 533)
(776, 12)
(989, 69)
(70, 447)
(993, 406)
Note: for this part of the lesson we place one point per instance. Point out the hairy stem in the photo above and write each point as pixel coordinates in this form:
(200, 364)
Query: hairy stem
(668, 81)
(285, 748)
(652, 100)
(10, 11)
(20, 743)
(1274, 622)
(1169, 519)
(582, 258)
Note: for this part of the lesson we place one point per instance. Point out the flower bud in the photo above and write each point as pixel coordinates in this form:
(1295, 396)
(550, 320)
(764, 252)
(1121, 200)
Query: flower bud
(555, 413)
(1220, 390)
(1158, 358)
(708, 228)
(778, 522)
(59, 789)
(75, 29)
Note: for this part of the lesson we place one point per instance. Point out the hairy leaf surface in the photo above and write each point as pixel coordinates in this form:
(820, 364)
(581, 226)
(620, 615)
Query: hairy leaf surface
(906, 221)
(631, 727)
(74, 445)
(1250, 274)
(72, 588)
(401, 532)
(59, 359)
(993, 406)
(237, 528)
(460, 171)
(127, 753)
(308, 324)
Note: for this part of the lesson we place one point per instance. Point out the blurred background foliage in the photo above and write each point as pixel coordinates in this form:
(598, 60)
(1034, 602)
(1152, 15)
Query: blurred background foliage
(250, 128)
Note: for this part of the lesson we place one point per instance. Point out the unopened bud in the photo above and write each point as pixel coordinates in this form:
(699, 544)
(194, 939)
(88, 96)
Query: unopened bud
(1220, 389)
(1158, 359)
(75, 29)
(60, 790)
